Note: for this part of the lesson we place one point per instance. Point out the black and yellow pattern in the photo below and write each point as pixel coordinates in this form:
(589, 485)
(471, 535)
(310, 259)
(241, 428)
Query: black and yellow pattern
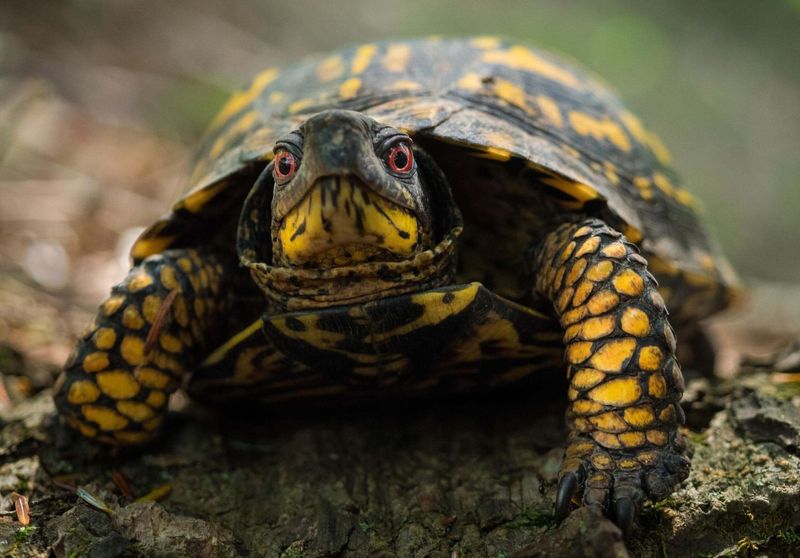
(152, 330)
(462, 337)
(370, 284)
(495, 98)
(625, 384)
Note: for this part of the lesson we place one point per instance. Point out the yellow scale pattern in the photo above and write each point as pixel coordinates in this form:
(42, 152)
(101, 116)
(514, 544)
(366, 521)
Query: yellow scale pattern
(624, 381)
(116, 384)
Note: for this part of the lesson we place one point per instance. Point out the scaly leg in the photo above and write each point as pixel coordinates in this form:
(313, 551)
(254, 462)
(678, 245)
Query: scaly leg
(624, 382)
(153, 328)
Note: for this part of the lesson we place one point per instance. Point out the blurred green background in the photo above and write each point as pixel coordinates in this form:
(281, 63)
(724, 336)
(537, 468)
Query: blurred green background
(718, 80)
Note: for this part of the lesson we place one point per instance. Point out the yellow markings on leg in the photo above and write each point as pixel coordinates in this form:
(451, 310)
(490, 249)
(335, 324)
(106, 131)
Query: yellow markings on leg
(131, 318)
(650, 358)
(657, 437)
(582, 292)
(619, 392)
(170, 343)
(139, 281)
(103, 417)
(586, 407)
(586, 378)
(133, 437)
(132, 350)
(635, 322)
(96, 361)
(608, 422)
(595, 328)
(602, 302)
(150, 307)
(590, 246)
(578, 352)
(104, 338)
(606, 440)
(118, 384)
(656, 386)
(600, 271)
(180, 312)
(629, 283)
(615, 250)
(575, 272)
(113, 304)
(639, 417)
(613, 355)
(82, 391)
(135, 410)
(152, 378)
(156, 399)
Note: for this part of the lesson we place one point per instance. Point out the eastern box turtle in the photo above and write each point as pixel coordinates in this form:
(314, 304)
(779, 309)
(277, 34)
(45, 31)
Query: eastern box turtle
(419, 216)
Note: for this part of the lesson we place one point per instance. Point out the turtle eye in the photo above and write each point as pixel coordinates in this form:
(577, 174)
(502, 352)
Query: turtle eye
(399, 158)
(285, 166)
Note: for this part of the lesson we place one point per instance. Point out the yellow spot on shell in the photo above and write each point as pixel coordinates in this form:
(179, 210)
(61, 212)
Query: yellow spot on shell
(106, 419)
(650, 358)
(276, 97)
(599, 129)
(602, 302)
(132, 350)
(656, 386)
(241, 99)
(578, 352)
(104, 338)
(512, 94)
(649, 139)
(628, 282)
(405, 85)
(608, 422)
(135, 410)
(619, 392)
(600, 271)
(113, 304)
(639, 416)
(349, 88)
(118, 384)
(362, 58)
(586, 378)
(131, 318)
(83, 391)
(330, 69)
(485, 42)
(139, 281)
(242, 124)
(396, 57)
(152, 378)
(663, 183)
(595, 328)
(300, 105)
(95, 361)
(521, 58)
(550, 110)
(471, 82)
(635, 322)
(613, 355)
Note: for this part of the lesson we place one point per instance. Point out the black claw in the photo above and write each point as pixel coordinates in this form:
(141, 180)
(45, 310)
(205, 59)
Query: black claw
(567, 487)
(625, 513)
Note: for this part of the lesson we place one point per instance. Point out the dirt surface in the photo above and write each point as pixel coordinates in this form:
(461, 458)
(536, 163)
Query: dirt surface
(449, 478)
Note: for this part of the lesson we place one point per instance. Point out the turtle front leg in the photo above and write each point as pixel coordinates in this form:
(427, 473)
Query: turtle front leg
(624, 382)
(153, 328)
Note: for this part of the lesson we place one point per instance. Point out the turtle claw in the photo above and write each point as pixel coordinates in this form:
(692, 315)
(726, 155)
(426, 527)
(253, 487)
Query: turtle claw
(567, 487)
(624, 514)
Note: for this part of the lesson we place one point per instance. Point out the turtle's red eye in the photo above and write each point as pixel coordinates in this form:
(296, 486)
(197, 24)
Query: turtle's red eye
(400, 158)
(285, 165)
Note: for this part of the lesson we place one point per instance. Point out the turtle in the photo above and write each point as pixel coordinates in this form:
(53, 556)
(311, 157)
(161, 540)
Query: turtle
(413, 217)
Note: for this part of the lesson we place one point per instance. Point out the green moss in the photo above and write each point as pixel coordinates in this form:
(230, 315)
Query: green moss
(24, 532)
(533, 517)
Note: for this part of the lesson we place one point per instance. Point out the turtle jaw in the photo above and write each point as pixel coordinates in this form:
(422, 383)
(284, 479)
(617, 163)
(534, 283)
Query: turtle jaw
(341, 222)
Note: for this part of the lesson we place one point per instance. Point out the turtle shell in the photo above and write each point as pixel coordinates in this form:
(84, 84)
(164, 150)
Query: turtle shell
(499, 99)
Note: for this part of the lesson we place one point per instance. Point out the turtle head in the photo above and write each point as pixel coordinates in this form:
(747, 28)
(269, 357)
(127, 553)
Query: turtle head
(347, 191)
(355, 211)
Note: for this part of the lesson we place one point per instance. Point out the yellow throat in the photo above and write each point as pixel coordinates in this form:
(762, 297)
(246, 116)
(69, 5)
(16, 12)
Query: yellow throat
(341, 222)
